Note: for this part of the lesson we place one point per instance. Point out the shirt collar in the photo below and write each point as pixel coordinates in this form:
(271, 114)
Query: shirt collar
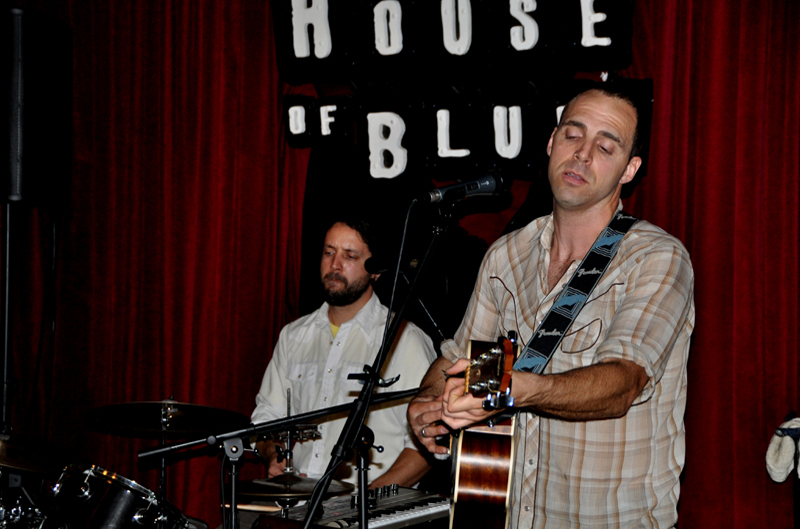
(546, 239)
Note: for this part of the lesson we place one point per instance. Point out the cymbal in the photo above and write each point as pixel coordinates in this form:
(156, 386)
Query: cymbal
(28, 455)
(288, 486)
(168, 418)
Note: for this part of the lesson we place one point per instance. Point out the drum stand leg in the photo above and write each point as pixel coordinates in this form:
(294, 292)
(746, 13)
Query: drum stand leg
(366, 441)
(162, 477)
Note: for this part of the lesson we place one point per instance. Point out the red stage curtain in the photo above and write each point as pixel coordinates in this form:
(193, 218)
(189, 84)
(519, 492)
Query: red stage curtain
(179, 260)
(724, 178)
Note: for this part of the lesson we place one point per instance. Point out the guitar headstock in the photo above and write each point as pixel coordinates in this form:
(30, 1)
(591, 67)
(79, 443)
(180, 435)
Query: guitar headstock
(489, 374)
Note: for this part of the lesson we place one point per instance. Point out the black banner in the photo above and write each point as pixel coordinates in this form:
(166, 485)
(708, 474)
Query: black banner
(414, 94)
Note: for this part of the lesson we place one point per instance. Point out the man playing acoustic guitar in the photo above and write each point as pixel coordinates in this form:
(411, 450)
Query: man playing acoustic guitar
(601, 433)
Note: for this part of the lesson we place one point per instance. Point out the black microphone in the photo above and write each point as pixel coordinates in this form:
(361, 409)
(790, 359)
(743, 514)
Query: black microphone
(486, 185)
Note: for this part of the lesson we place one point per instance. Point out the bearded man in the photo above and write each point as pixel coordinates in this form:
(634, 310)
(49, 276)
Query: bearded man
(315, 354)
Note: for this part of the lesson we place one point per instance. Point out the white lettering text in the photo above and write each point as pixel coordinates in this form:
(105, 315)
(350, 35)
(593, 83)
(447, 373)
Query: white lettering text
(388, 32)
(589, 19)
(325, 118)
(317, 17)
(443, 137)
(457, 26)
(385, 131)
(526, 36)
(508, 131)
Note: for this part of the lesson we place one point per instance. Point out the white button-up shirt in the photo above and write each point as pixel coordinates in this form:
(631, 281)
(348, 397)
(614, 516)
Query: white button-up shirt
(314, 365)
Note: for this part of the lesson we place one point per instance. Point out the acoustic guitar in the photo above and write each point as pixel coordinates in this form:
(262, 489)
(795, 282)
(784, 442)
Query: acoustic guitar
(483, 454)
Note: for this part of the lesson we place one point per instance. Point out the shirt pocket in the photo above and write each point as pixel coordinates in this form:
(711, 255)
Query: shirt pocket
(302, 375)
(592, 324)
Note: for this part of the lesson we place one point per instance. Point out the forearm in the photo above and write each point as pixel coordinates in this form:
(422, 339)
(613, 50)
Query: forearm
(425, 410)
(406, 471)
(601, 391)
(432, 383)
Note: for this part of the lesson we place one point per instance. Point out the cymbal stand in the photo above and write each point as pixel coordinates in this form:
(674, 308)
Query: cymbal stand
(162, 471)
(288, 455)
(166, 414)
(233, 450)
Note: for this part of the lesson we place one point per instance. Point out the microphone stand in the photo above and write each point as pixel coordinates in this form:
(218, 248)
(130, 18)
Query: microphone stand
(354, 429)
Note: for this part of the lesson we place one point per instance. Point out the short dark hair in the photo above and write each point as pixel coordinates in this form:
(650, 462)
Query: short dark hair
(616, 92)
(363, 227)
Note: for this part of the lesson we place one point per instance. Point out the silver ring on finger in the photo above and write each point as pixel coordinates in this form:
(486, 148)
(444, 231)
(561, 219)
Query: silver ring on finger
(422, 432)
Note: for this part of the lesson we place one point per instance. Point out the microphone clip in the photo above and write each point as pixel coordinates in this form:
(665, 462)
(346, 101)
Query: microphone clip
(368, 373)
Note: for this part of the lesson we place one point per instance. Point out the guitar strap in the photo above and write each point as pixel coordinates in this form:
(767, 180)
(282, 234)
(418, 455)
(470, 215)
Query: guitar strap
(568, 304)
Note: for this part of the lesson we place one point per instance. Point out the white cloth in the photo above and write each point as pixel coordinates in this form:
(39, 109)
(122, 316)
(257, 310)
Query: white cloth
(314, 365)
(780, 453)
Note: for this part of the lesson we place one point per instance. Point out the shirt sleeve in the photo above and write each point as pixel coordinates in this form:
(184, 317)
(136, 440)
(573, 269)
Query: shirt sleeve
(656, 308)
(271, 397)
(451, 350)
(482, 319)
(413, 355)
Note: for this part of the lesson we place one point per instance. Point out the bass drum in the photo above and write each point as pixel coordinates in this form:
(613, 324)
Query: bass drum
(95, 498)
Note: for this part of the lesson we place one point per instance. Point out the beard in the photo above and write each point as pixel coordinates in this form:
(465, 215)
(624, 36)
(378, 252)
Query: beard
(347, 295)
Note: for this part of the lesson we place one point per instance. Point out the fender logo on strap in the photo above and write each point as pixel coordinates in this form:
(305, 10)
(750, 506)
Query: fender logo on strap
(569, 303)
(607, 243)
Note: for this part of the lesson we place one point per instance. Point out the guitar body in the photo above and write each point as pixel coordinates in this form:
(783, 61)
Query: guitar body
(483, 467)
(484, 454)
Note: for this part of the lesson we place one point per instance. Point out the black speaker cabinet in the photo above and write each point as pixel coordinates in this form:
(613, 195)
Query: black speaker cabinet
(36, 109)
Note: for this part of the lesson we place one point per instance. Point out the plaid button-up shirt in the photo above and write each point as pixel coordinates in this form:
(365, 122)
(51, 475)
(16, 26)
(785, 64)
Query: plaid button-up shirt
(605, 473)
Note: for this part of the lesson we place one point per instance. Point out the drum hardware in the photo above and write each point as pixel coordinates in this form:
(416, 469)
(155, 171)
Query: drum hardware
(288, 488)
(232, 446)
(94, 498)
(17, 515)
(27, 455)
(164, 420)
(23, 461)
(296, 433)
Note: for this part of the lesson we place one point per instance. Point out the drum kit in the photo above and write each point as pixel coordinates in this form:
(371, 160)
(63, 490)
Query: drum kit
(87, 496)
